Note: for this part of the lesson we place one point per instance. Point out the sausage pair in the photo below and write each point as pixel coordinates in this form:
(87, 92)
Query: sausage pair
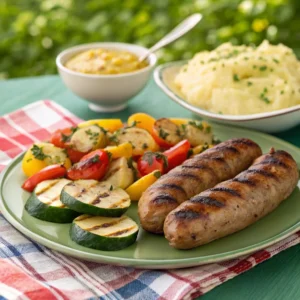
(195, 175)
(234, 204)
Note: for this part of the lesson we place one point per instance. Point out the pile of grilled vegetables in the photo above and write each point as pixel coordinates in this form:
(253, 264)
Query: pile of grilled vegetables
(88, 175)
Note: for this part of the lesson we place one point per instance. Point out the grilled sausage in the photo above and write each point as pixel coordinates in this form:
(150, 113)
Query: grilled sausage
(234, 204)
(195, 175)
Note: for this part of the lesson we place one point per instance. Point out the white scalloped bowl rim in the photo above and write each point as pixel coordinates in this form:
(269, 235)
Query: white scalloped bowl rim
(158, 77)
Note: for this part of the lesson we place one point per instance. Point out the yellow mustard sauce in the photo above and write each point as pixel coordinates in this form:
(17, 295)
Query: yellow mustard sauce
(105, 61)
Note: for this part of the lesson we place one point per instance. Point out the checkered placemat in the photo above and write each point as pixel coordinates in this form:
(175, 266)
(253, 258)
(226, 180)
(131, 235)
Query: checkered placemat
(31, 271)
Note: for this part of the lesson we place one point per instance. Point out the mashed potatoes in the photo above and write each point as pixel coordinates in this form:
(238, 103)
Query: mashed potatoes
(240, 80)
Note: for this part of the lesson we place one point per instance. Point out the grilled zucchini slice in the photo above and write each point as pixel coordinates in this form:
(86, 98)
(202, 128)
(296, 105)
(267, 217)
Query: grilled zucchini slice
(95, 198)
(119, 174)
(44, 203)
(101, 233)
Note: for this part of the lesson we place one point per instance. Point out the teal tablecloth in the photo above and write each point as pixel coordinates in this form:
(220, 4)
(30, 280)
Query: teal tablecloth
(277, 278)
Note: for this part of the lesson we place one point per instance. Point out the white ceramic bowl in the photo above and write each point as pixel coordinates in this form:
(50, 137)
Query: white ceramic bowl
(107, 93)
(274, 121)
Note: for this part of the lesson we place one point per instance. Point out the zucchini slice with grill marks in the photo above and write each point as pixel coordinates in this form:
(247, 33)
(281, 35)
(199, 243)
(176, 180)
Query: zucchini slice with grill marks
(104, 233)
(44, 203)
(95, 198)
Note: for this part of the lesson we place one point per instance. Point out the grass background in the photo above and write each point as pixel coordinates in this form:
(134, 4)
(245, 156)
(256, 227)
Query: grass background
(33, 32)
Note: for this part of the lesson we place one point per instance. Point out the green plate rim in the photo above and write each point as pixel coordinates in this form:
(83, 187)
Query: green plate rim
(146, 263)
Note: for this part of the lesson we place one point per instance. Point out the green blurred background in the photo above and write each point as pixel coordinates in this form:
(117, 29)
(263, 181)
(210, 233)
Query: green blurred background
(33, 32)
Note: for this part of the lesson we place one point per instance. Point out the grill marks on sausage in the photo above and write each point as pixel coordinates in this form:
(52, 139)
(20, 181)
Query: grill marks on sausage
(261, 172)
(207, 201)
(184, 176)
(187, 214)
(227, 148)
(244, 141)
(274, 161)
(164, 199)
(170, 186)
(244, 181)
(226, 190)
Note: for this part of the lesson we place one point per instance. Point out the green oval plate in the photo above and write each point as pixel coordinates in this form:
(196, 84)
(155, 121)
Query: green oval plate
(152, 251)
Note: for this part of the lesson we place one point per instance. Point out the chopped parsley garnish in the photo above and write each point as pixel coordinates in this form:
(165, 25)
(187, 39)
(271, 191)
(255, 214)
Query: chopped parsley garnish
(111, 188)
(183, 126)
(263, 68)
(56, 160)
(102, 129)
(196, 124)
(249, 83)
(145, 146)
(149, 158)
(134, 170)
(38, 152)
(190, 153)
(254, 66)
(236, 77)
(207, 129)
(216, 141)
(205, 147)
(163, 134)
(93, 135)
(276, 60)
(65, 138)
(95, 159)
(132, 145)
(134, 123)
(109, 155)
(178, 132)
(114, 138)
(157, 174)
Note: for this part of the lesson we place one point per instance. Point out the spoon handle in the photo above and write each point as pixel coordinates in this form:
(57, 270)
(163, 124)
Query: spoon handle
(181, 29)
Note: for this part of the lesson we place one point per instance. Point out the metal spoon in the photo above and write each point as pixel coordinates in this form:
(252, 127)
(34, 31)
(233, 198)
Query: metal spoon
(181, 29)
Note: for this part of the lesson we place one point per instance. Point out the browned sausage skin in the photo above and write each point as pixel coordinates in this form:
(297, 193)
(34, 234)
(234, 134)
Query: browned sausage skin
(195, 175)
(234, 204)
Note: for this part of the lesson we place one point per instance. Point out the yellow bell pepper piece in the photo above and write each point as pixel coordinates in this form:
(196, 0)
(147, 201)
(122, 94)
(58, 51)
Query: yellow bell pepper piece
(200, 148)
(180, 122)
(122, 150)
(108, 124)
(136, 190)
(141, 120)
(32, 165)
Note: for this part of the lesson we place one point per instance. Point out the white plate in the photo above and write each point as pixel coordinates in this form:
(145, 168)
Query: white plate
(274, 121)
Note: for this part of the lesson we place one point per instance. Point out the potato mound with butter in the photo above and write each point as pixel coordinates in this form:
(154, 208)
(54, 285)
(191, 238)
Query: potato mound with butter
(241, 80)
